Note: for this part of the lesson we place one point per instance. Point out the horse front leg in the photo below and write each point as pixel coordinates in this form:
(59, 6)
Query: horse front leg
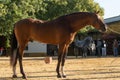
(63, 61)
(62, 66)
(60, 55)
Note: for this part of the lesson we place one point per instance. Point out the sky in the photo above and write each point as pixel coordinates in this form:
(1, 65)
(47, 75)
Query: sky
(111, 7)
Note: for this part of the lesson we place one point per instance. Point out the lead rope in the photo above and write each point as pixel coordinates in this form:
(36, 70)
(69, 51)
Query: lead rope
(113, 30)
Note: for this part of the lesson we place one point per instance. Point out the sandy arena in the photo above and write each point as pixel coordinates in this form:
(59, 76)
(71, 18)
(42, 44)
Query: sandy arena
(105, 68)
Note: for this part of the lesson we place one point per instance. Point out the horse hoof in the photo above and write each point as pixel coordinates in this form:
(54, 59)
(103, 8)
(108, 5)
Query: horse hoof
(14, 76)
(24, 77)
(64, 76)
(58, 76)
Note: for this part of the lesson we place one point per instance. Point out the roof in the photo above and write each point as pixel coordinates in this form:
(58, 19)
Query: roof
(112, 19)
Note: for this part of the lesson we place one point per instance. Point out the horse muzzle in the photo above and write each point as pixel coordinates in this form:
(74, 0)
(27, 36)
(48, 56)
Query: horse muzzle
(104, 28)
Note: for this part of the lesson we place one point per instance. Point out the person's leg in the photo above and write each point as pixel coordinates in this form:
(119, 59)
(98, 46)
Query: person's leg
(99, 52)
(116, 51)
(1, 52)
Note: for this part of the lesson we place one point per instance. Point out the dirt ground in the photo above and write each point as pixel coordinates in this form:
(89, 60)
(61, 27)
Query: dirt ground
(93, 68)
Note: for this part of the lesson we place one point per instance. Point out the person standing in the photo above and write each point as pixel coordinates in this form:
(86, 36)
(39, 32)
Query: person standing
(1, 51)
(99, 46)
(103, 48)
(115, 47)
(93, 48)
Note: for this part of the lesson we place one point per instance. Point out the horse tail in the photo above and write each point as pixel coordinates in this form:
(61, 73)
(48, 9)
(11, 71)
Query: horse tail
(14, 50)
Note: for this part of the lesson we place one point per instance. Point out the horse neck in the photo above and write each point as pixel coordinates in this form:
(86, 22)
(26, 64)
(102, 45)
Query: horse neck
(81, 21)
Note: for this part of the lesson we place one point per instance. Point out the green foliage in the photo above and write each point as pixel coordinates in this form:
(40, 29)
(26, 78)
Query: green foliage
(50, 9)
(86, 29)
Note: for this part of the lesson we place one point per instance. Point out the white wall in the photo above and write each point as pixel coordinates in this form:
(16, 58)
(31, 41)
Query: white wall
(36, 47)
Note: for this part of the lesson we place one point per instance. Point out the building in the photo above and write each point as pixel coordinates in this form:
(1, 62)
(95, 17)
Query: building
(113, 24)
(35, 49)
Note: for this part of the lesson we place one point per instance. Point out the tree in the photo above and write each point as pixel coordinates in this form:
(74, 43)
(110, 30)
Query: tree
(13, 11)
(51, 9)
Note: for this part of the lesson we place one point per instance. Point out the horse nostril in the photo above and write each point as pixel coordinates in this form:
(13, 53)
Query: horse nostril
(104, 27)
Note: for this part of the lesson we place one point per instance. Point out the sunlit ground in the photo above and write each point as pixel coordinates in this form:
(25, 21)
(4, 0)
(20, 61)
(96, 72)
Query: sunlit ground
(104, 68)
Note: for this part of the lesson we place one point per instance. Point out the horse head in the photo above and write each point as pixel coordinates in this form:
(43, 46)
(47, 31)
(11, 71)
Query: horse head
(98, 23)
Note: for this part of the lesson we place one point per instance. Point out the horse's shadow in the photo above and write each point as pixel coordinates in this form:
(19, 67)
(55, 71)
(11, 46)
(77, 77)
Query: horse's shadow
(85, 72)
(82, 72)
(47, 76)
(31, 77)
(10, 78)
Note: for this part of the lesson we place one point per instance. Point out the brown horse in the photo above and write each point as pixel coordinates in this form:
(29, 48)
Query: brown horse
(60, 31)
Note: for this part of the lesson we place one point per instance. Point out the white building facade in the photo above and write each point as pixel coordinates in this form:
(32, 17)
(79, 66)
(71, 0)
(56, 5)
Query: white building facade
(36, 48)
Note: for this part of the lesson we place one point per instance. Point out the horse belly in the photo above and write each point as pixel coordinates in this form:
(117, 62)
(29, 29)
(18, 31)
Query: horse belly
(53, 35)
(46, 38)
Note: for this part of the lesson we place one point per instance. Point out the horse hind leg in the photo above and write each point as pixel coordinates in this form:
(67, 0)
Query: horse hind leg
(21, 49)
(21, 67)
